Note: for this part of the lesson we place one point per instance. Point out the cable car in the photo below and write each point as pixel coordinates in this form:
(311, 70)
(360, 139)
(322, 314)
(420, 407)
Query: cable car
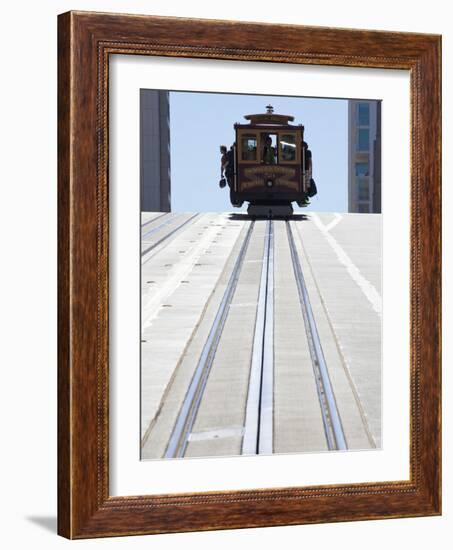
(269, 165)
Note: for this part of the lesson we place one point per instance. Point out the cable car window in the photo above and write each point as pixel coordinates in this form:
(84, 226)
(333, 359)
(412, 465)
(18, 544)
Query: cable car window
(269, 148)
(288, 147)
(248, 147)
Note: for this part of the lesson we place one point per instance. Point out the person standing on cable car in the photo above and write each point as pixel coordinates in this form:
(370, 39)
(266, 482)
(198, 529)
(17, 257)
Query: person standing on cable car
(229, 169)
(308, 174)
(268, 151)
(223, 165)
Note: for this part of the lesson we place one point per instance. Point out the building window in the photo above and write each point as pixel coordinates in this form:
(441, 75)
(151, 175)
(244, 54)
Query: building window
(364, 208)
(363, 139)
(362, 169)
(363, 114)
(363, 189)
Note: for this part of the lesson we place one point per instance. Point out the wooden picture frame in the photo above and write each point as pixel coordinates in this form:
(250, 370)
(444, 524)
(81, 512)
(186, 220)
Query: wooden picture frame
(85, 42)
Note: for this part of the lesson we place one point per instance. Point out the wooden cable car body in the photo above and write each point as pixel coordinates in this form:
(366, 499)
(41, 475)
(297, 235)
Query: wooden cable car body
(269, 165)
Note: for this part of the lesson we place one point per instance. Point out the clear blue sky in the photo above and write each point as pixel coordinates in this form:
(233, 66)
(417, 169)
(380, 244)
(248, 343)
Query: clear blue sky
(201, 122)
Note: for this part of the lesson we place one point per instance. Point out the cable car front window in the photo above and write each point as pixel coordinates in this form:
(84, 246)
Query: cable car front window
(288, 147)
(248, 147)
(269, 148)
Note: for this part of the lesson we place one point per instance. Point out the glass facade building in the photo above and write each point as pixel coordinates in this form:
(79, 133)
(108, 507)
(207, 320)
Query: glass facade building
(155, 188)
(364, 189)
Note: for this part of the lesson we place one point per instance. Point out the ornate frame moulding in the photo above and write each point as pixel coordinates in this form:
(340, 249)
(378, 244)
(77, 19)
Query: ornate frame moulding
(85, 42)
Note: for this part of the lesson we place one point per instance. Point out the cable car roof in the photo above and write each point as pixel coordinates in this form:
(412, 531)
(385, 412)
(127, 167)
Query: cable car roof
(269, 117)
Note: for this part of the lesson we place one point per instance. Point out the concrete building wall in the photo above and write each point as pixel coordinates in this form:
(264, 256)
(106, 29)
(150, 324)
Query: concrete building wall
(155, 183)
(364, 186)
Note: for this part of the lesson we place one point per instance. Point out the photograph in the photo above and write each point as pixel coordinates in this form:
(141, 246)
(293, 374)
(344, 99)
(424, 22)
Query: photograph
(249, 318)
(261, 274)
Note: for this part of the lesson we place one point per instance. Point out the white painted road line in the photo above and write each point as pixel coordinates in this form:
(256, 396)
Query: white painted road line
(337, 219)
(365, 286)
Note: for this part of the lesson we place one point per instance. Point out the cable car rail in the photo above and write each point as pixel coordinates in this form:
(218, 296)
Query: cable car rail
(258, 429)
(169, 219)
(258, 432)
(331, 417)
(154, 219)
(186, 418)
(167, 235)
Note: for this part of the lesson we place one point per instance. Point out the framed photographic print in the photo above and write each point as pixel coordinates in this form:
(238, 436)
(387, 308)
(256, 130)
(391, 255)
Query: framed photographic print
(249, 274)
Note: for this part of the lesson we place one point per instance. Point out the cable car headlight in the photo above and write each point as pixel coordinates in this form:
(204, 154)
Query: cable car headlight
(269, 183)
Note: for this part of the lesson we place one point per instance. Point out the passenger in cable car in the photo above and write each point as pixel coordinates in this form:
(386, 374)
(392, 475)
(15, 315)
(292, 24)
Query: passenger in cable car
(312, 189)
(229, 168)
(268, 156)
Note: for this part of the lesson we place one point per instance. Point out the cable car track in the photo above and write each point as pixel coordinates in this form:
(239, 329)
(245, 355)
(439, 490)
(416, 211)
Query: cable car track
(165, 237)
(157, 228)
(258, 431)
(258, 428)
(330, 415)
(186, 418)
(154, 219)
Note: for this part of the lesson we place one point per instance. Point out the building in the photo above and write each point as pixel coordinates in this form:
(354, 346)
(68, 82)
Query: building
(364, 188)
(155, 189)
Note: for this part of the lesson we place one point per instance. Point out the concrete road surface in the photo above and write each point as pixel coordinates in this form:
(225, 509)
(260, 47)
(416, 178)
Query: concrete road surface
(188, 263)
